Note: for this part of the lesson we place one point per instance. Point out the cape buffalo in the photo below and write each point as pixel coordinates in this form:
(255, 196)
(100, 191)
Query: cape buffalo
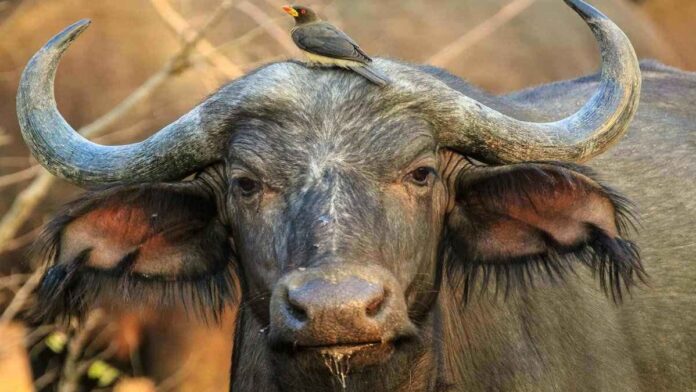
(423, 236)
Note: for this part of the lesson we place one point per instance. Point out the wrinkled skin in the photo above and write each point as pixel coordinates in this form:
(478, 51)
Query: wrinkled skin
(332, 197)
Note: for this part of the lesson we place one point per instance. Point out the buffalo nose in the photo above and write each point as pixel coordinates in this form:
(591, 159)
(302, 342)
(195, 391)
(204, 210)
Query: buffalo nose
(319, 308)
(352, 298)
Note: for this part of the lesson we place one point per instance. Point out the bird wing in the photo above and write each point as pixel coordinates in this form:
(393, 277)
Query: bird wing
(324, 39)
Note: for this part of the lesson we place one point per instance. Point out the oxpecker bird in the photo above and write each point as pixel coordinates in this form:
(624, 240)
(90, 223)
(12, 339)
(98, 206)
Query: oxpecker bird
(327, 46)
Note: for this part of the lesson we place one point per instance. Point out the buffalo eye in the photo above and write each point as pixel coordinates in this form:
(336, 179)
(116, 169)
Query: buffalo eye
(421, 176)
(247, 186)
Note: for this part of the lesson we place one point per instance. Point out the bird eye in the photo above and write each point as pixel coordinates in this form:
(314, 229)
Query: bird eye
(303, 12)
(247, 186)
(421, 176)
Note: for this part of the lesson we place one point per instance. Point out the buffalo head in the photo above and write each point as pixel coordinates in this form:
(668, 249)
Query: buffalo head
(340, 207)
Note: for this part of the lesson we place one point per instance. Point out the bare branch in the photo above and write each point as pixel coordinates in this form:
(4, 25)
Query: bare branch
(4, 137)
(22, 240)
(19, 176)
(72, 369)
(244, 38)
(15, 161)
(23, 206)
(20, 299)
(13, 280)
(46, 379)
(450, 52)
(266, 22)
(25, 203)
(38, 333)
(181, 27)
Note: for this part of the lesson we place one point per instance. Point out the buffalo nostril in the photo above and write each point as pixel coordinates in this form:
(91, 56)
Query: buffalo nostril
(376, 304)
(296, 310)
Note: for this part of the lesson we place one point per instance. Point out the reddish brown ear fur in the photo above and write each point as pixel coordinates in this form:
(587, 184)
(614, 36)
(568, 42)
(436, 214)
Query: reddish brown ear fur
(524, 215)
(162, 227)
(138, 242)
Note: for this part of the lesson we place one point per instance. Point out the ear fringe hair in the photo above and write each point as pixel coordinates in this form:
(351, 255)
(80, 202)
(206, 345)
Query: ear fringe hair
(72, 288)
(613, 260)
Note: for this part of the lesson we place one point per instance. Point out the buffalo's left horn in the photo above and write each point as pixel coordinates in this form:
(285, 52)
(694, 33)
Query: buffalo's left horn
(189, 143)
(496, 138)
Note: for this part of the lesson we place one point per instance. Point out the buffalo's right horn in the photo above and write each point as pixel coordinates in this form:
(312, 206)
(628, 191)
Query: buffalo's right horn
(496, 138)
(180, 148)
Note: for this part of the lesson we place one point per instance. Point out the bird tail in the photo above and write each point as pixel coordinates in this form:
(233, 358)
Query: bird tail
(372, 75)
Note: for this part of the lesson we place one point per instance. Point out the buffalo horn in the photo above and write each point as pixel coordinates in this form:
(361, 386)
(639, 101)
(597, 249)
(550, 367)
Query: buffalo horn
(497, 138)
(189, 143)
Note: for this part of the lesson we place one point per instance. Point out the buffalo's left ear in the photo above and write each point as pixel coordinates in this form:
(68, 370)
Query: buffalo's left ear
(162, 244)
(523, 220)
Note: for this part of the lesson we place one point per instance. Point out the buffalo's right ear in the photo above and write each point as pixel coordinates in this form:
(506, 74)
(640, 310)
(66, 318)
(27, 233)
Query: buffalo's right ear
(528, 220)
(154, 244)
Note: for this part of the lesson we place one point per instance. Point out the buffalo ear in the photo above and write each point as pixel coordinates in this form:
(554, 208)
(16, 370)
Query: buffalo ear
(523, 220)
(155, 244)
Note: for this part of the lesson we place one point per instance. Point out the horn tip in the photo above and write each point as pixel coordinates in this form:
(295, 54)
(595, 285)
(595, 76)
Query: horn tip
(69, 34)
(585, 10)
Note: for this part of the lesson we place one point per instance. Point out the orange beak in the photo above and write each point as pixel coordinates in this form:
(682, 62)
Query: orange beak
(291, 11)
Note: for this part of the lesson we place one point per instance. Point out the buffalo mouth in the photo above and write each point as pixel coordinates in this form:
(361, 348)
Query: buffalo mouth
(350, 349)
(351, 355)
(356, 354)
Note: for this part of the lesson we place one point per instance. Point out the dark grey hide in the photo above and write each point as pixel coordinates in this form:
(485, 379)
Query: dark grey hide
(562, 336)
(298, 195)
(570, 337)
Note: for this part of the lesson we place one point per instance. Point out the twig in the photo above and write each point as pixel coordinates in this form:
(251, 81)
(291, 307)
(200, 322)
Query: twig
(73, 369)
(96, 345)
(244, 38)
(4, 138)
(19, 176)
(46, 379)
(22, 296)
(14, 161)
(261, 18)
(22, 240)
(450, 52)
(38, 333)
(27, 200)
(103, 355)
(13, 280)
(179, 25)
(23, 206)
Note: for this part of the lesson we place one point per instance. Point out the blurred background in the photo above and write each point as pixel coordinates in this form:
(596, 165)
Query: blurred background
(143, 63)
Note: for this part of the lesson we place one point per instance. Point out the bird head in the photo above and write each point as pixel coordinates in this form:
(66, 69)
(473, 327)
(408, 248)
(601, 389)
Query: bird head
(301, 14)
